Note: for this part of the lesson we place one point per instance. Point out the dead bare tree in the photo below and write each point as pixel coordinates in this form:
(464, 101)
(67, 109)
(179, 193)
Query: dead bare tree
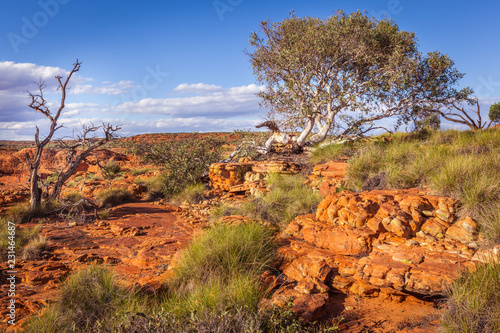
(73, 158)
(465, 112)
(77, 151)
(39, 104)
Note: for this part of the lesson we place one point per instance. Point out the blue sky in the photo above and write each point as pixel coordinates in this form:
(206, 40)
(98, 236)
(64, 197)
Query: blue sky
(179, 66)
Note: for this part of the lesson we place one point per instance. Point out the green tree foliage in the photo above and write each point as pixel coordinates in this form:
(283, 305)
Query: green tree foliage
(494, 114)
(185, 162)
(345, 73)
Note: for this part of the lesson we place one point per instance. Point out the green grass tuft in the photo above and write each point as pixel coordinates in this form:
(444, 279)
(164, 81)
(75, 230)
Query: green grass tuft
(193, 194)
(220, 269)
(90, 300)
(113, 197)
(474, 302)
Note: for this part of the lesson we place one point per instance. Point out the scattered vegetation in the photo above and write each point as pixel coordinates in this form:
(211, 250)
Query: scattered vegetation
(474, 302)
(33, 250)
(333, 151)
(154, 186)
(90, 300)
(289, 197)
(111, 169)
(193, 194)
(141, 171)
(104, 215)
(113, 197)
(20, 236)
(22, 213)
(461, 164)
(185, 162)
(220, 269)
(215, 288)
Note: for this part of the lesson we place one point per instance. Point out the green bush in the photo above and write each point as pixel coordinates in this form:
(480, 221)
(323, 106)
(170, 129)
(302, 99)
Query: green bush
(111, 169)
(113, 197)
(185, 162)
(193, 194)
(494, 113)
(474, 302)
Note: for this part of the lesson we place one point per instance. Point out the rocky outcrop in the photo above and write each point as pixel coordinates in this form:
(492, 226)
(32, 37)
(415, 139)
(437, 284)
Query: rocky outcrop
(245, 176)
(327, 177)
(389, 244)
(13, 161)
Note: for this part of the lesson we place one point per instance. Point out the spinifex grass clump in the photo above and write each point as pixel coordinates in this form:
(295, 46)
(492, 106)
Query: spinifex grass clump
(289, 197)
(20, 236)
(90, 300)
(220, 269)
(334, 151)
(193, 194)
(111, 169)
(474, 302)
(113, 196)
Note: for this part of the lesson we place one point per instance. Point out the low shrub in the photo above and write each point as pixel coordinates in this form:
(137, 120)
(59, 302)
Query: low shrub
(111, 169)
(193, 194)
(185, 162)
(333, 151)
(20, 236)
(138, 172)
(154, 186)
(104, 215)
(33, 249)
(22, 213)
(288, 198)
(113, 197)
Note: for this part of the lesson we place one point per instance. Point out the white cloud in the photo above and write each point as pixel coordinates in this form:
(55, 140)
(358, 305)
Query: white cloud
(234, 101)
(107, 88)
(204, 107)
(197, 88)
(17, 77)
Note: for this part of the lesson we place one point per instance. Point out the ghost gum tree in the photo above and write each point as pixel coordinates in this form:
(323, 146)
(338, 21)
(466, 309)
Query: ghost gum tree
(343, 74)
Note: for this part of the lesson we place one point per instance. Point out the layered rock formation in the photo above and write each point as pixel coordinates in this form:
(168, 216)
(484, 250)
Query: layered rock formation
(387, 244)
(245, 176)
